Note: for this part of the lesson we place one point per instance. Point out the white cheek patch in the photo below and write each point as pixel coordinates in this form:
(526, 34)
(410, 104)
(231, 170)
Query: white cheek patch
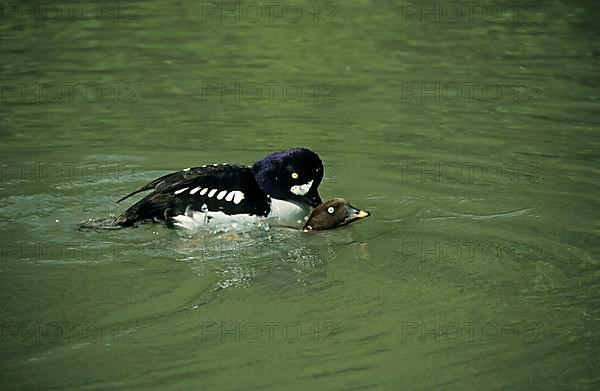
(301, 189)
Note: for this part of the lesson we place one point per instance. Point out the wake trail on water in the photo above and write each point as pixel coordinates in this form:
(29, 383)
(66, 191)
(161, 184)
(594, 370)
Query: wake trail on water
(104, 223)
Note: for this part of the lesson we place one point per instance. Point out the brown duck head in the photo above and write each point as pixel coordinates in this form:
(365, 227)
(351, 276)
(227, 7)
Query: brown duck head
(332, 214)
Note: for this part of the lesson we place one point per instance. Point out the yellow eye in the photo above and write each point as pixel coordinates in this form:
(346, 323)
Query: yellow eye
(294, 175)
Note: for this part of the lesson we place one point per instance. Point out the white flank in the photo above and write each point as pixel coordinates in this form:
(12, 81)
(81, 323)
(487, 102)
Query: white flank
(301, 189)
(288, 213)
(215, 220)
(283, 213)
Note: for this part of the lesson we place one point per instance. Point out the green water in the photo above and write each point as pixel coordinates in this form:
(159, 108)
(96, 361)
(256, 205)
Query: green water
(472, 139)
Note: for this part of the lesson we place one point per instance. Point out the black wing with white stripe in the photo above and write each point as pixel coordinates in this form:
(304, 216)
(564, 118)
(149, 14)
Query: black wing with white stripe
(231, 189)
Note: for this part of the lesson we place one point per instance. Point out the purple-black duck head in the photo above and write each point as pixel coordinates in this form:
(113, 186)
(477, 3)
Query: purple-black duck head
(294, 174)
